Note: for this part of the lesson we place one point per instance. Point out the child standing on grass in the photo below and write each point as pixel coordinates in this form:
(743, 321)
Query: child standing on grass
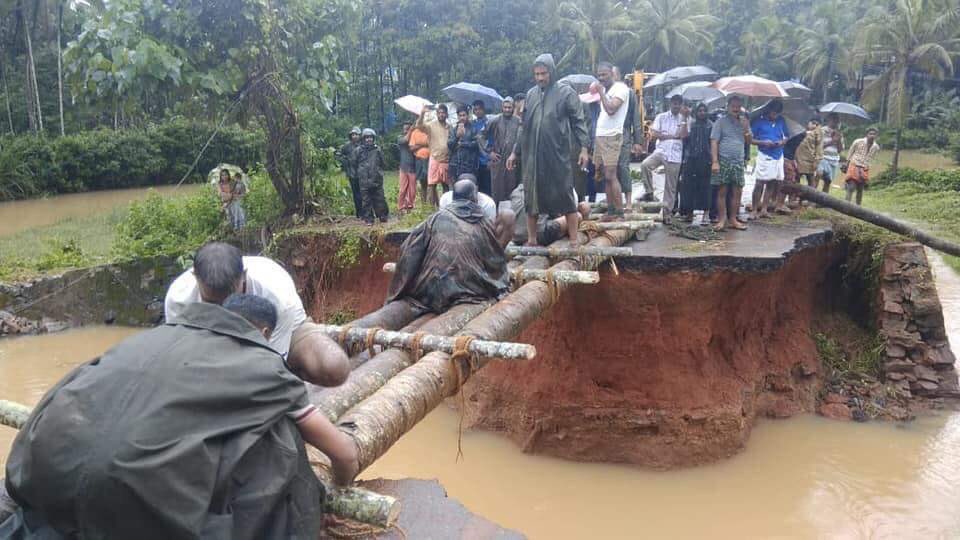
(862, 153)
(369, 167)
(231, 193)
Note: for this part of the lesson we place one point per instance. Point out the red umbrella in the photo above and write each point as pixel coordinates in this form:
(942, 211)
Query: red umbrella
(750, 86)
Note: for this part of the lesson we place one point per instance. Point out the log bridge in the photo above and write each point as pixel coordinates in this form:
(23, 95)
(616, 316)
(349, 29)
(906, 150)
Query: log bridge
(424, 359)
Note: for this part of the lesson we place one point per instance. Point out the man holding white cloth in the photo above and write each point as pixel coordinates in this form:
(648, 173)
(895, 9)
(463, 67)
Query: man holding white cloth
(770, 135)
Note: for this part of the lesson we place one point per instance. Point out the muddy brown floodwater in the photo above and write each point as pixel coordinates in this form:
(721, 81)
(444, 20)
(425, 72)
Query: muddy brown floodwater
(805, 477)
(16, 216)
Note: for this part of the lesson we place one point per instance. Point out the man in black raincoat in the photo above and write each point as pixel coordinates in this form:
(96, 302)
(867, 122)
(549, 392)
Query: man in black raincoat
(453, 257)
(552, 116)
(346, 158)
(194, 429)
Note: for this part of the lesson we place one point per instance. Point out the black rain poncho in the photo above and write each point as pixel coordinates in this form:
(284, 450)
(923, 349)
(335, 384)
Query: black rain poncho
(451, 258)
(178, 432)
(551, 117)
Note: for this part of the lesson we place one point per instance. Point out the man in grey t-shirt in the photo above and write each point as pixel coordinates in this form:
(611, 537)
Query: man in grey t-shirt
(729, 135)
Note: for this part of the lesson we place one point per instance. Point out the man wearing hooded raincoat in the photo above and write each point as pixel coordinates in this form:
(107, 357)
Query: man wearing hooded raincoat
(454, 257)
(552, 118)
(189, 430)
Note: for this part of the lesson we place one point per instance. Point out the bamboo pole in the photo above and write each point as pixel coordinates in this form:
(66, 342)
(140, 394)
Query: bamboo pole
(644, 207)
(428, 342)
(380, 420)
(870, 216)
(564, 252)
(565, 276)
(589, 226)
(374, 373)
(348, 502)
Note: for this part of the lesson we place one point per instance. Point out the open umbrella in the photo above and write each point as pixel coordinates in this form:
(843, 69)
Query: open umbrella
(411, 103)
(750, 86)
(849, 111)
(695, 91)
(680, 75)
(467, 93)
(796, 113)
(214, 175)
(716, 104)
(796, 89)
(579, 81)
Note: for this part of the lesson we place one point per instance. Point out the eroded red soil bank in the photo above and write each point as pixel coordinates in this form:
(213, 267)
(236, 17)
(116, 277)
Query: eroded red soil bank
(660, 369)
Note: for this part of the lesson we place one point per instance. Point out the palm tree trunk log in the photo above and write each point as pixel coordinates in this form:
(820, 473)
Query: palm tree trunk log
(373, 374)
(566, 276)
(875, 218)
(380, 420)
(350, 502)
(566, 252)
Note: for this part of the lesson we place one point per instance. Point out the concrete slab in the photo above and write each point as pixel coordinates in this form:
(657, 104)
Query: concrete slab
(763, 247)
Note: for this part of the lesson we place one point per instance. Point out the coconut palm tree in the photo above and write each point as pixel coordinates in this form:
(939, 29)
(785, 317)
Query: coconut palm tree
(673, 32)
(914, 36)
(596, 23)
(824, 49)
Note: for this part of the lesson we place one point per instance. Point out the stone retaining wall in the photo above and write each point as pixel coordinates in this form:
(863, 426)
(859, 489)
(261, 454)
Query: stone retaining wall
(128, 293)
(917, 355)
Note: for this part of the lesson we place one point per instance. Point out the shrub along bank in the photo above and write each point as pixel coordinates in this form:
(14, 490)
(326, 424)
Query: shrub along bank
(107, 159)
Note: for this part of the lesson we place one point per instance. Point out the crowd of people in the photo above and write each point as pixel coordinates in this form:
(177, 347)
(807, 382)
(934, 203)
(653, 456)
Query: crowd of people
(550, 139)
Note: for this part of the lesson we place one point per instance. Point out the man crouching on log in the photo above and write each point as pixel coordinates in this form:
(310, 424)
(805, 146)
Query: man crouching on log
(220, 270)
(193, 429)
(454, 257)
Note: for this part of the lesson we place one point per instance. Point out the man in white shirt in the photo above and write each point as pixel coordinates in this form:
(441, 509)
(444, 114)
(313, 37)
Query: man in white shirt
(219, 270)
(669, 128)
(609, 135)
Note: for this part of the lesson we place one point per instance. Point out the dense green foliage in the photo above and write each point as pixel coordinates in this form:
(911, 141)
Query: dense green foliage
(161, 225)
(107, 159)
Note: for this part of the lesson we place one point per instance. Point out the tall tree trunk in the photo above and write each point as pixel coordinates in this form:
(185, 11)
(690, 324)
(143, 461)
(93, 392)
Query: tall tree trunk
(60, 66)
(33, 68)
(28, 93)
(896, 150)
(826, 82)
(6, 95)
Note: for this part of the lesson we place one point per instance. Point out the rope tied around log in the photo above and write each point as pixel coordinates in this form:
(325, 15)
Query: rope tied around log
(371, 337)
(461, 351)
(592, 229)
(342, 339)
(415, 349)
(552, 286)
(516, 276)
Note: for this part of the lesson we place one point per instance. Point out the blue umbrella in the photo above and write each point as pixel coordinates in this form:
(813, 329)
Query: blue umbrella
(467, 93)
(849, 111)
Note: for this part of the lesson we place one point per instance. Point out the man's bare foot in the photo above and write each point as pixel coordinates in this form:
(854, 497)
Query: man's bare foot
(532, 244)
(784, 210)
(764, 215)
(721, 225)
(737, 225)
